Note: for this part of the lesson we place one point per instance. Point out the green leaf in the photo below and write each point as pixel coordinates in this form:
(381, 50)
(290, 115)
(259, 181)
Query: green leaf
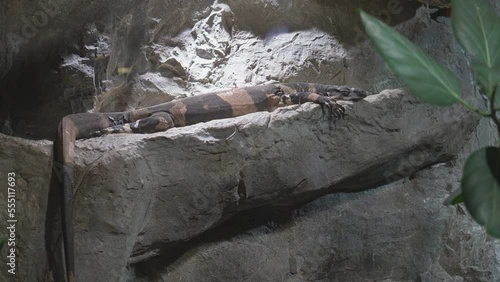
(481, 188)
(487, 77)
(2, 242)
(497, 97)
(477, 28)
(428, 80)
(455, 198)
(458, 199)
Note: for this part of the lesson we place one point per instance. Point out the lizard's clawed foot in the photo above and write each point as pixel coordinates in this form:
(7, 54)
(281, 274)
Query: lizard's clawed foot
(122, 128)
(158, 121)
(335, 110)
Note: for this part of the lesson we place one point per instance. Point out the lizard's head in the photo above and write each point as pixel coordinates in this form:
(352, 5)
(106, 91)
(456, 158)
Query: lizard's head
(346, 92)
(284, 98)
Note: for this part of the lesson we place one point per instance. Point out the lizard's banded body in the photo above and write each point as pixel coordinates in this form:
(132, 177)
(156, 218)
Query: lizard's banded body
(201, 108)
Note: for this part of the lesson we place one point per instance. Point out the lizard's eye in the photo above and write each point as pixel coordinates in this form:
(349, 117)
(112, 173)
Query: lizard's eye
(279, 92)
(332, 90)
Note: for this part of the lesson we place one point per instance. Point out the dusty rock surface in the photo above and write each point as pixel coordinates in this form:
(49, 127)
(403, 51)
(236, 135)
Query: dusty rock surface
(180, 183)
(31, 163)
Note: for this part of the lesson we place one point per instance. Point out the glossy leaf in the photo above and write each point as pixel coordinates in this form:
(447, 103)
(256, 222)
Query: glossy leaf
(456, 197)
(481, 188)
(497, 97)
(477, 28)
(428, 80)
(487, 77)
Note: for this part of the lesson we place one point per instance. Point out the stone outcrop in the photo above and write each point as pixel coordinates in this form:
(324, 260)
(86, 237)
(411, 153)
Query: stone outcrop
(178, 184)
(31, 162)
(140, 198)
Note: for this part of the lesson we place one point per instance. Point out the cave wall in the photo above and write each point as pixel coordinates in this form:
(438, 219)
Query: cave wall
(48, 51)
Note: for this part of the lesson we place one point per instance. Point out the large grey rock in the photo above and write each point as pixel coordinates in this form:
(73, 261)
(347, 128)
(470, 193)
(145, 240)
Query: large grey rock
(178, 184)
(31, 162)
(398, 232)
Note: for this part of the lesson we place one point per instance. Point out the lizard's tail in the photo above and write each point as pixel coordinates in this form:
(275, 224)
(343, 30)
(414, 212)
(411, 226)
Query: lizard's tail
(67, 208)
(66, 156)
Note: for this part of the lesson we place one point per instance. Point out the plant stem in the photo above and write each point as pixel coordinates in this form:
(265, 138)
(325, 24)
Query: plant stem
(470, 107)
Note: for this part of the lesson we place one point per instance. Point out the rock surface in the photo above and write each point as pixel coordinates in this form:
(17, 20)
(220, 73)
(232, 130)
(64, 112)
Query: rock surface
(180, 183)
(221, 201)
(379, 235)
(217, 45)
(31, 162)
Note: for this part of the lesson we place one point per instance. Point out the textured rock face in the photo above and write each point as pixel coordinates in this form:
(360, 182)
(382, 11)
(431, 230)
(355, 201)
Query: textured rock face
(379, 235)
(185, 181)
(221, 201)
(213, 44)
(31, 163)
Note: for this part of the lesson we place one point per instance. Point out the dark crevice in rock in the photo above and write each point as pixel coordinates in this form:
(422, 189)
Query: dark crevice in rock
(242, 189)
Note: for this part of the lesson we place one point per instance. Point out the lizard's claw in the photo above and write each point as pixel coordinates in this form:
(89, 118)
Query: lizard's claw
(96, 134)
(123, 128)
(335, 110)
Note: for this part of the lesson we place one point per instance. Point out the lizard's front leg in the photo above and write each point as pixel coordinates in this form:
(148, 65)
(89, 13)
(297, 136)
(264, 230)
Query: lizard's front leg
(335, 110)
(158, 121)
